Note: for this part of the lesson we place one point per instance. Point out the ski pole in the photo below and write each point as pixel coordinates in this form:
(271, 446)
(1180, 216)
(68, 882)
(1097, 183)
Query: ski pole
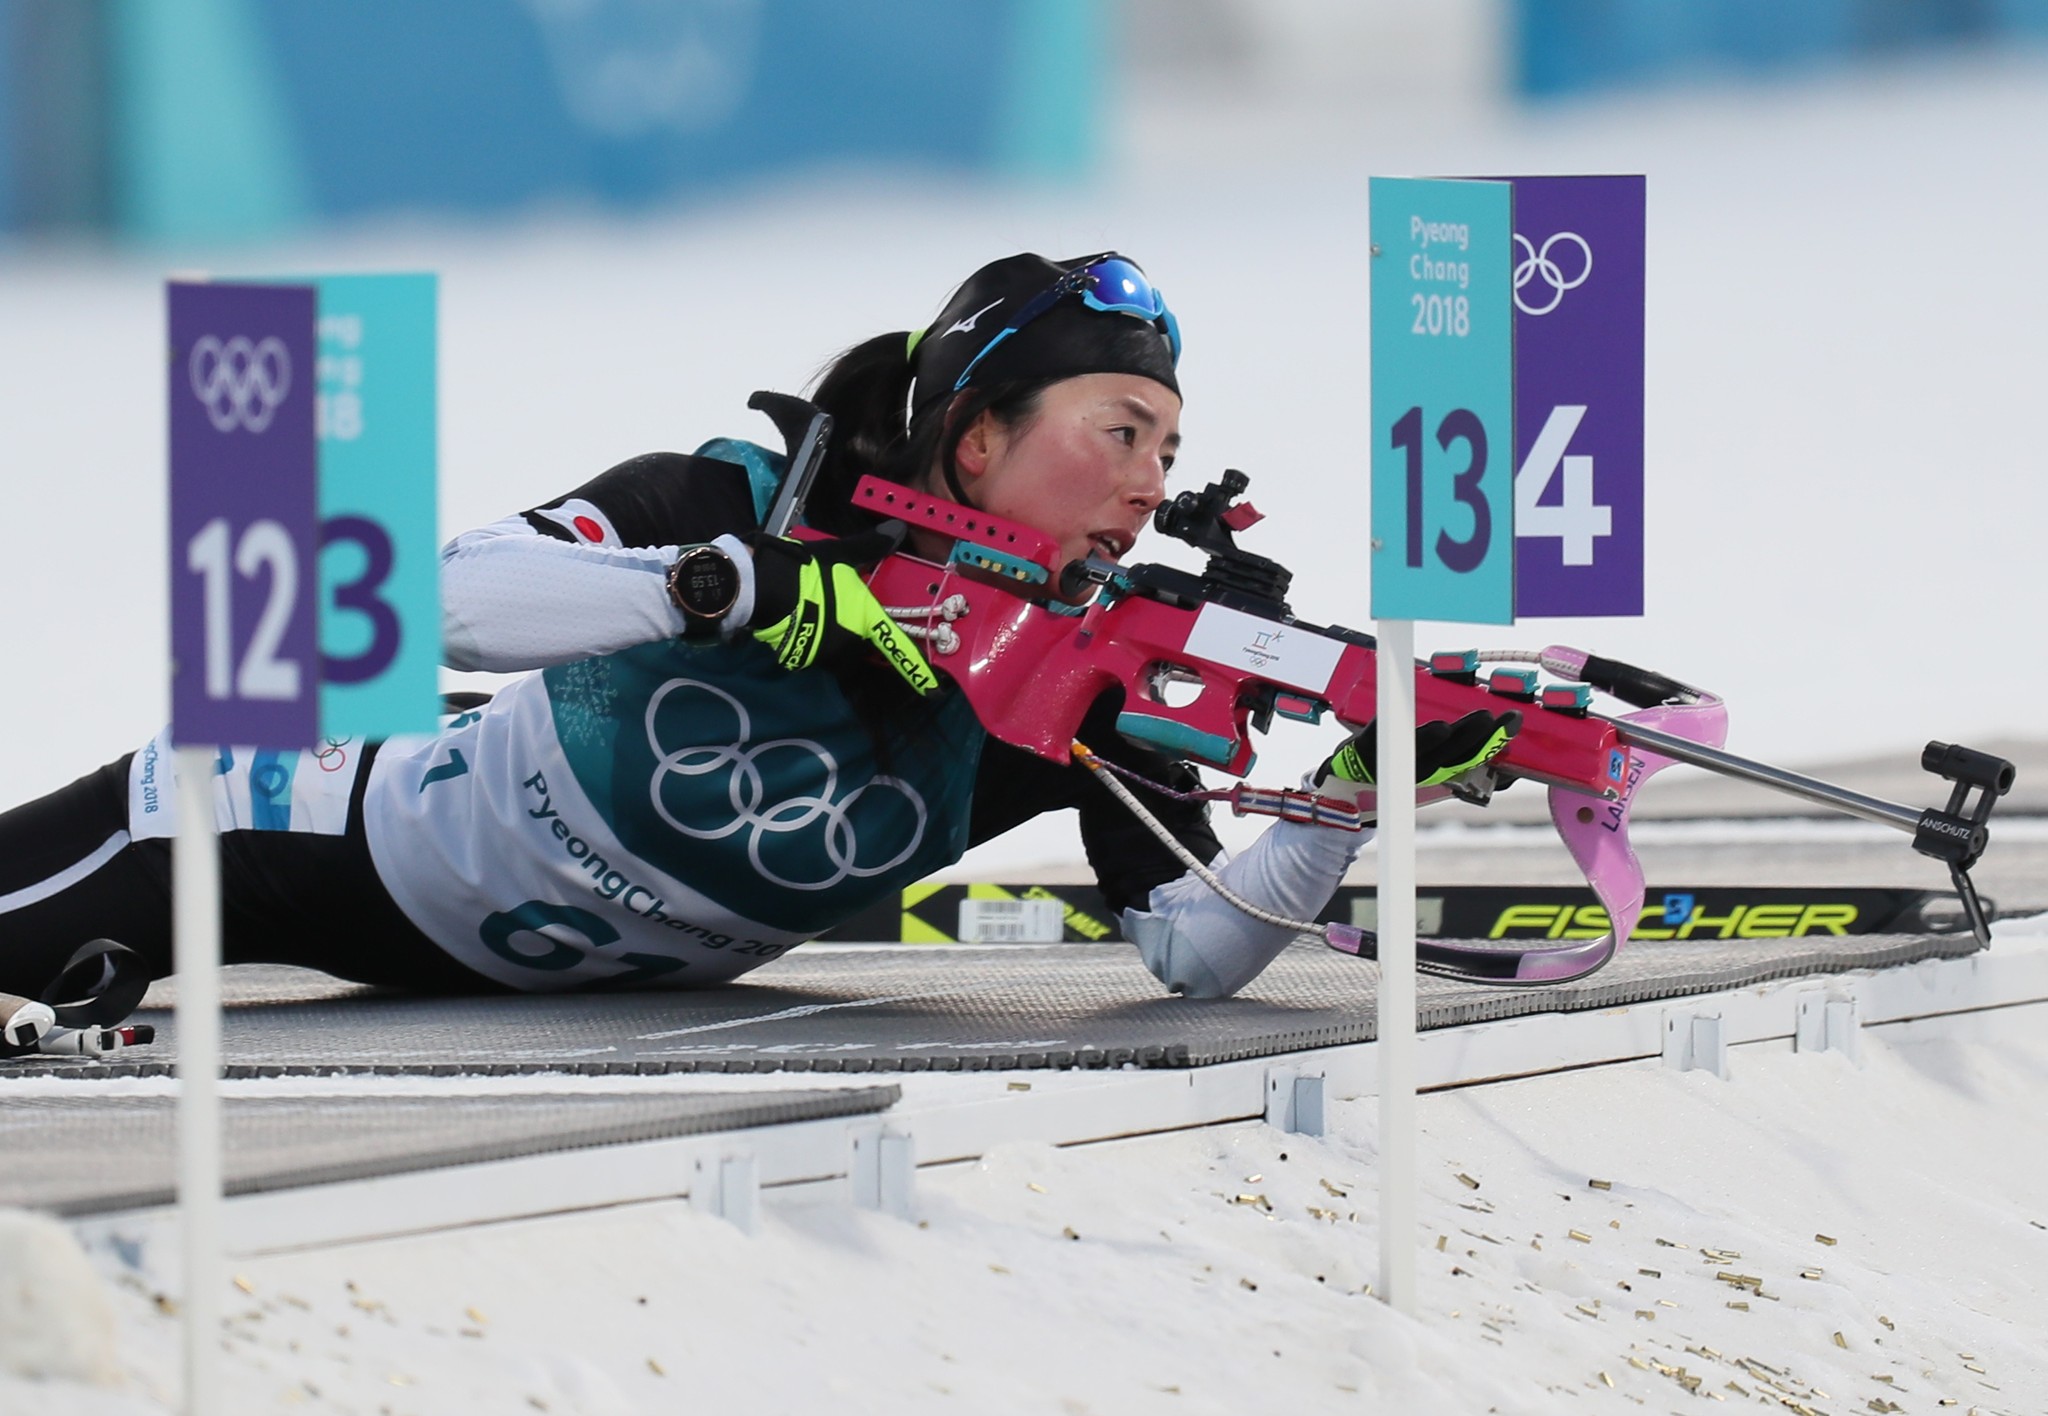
(95, 1042)
(23, 1024)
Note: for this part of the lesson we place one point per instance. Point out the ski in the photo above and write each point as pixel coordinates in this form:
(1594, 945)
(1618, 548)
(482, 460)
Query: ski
(1475, 962)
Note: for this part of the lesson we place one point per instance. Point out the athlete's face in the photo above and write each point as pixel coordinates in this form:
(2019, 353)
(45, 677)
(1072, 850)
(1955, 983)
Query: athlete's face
(1087, 470)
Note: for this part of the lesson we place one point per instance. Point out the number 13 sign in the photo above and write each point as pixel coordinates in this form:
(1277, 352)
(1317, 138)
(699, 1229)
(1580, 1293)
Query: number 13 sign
(260, 488)
(1442, 401)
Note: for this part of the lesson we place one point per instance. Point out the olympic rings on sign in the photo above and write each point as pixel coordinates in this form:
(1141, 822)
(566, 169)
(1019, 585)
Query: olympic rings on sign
(1535, 264)
(241, 382)
(746, 791)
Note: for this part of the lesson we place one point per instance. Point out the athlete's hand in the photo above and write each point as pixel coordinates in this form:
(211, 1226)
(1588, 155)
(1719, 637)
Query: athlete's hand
(1443, 751)
(811, 606)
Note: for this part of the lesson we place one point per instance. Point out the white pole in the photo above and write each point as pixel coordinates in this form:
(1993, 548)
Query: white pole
(1395, 773)
(195, 902)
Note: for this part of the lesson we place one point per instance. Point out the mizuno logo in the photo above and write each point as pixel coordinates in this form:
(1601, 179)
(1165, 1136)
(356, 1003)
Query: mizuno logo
(968, 323)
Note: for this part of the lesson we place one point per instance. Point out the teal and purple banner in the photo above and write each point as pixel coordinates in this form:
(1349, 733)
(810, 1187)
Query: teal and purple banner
(305, 590)
(1578, 298)
(1577, 46)
(205, 120)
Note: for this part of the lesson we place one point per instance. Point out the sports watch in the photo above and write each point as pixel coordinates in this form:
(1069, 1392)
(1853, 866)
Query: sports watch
(704, 584)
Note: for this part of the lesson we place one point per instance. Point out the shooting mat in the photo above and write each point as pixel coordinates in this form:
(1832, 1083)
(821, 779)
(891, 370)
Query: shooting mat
(910, 1009)
(84, 1154)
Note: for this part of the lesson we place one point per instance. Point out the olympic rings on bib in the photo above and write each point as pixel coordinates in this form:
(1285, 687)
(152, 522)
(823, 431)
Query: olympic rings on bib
(747, 790)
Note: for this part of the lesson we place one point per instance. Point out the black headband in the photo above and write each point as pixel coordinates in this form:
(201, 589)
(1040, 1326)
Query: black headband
(1068, 340)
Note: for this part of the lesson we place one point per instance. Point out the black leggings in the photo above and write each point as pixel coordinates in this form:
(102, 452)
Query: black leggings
(69, 874)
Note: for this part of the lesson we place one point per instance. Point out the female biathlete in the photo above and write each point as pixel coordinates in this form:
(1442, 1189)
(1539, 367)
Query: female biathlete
(725, 749)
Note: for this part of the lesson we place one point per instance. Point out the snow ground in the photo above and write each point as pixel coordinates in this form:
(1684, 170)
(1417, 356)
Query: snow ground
(1222, 1270)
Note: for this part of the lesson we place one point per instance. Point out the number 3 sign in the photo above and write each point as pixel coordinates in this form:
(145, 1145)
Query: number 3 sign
(380, 625)
(262, 510)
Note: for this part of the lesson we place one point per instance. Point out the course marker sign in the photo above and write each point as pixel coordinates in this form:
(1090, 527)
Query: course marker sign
(1443, 544)
(1443, 547)
(244, 516)
(380, 596)
(1578, 294)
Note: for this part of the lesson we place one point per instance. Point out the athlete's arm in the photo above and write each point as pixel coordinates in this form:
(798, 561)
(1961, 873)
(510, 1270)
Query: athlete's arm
(1197, 944)
(584, 574)
(1193, 941)
(1200, 945)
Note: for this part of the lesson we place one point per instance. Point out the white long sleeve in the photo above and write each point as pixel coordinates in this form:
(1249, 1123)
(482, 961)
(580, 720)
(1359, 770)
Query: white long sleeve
(513, 599)
(1199, 945)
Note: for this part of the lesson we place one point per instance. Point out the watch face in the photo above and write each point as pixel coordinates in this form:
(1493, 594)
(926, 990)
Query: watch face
(706, 583)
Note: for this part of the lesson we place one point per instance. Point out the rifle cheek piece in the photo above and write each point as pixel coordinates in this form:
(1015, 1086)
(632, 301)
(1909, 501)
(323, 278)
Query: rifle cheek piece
(1640, 688)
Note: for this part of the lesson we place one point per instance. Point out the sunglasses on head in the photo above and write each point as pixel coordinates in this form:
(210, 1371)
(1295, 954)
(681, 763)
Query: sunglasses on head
(1109, 283)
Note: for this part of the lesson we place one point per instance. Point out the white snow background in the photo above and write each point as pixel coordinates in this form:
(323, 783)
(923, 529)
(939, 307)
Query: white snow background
(1845, 500)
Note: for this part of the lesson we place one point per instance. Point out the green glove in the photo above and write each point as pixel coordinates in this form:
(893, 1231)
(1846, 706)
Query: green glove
(1443, 751)
(811, 606)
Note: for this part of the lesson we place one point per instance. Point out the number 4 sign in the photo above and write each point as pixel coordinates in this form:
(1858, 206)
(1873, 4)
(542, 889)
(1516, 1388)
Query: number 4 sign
(1578, 292)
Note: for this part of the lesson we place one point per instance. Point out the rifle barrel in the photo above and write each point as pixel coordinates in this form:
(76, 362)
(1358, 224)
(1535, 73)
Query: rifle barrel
(1678, 749)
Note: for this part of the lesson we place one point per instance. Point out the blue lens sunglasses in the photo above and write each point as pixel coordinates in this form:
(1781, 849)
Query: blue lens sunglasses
(1109, 283)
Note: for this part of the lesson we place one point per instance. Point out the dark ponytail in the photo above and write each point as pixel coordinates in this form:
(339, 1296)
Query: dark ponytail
(867, 392)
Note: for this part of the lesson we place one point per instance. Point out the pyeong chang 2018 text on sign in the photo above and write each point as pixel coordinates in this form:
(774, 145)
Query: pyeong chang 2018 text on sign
(1443, 543)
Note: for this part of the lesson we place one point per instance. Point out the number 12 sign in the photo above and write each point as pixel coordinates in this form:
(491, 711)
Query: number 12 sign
(244, 516)
(304, 592)
(1443, 544)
